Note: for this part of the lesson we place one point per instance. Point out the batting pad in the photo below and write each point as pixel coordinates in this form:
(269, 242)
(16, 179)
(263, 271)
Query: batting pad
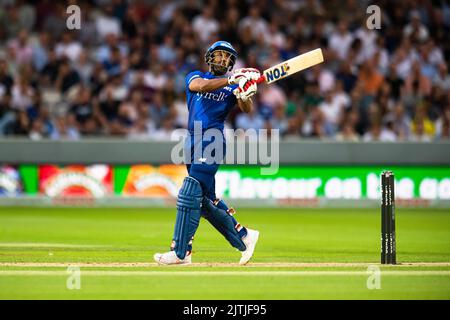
(188, 215)
(223, 222)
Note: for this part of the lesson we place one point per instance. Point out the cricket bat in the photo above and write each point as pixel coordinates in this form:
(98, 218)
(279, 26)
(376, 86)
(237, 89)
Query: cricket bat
(291, 66)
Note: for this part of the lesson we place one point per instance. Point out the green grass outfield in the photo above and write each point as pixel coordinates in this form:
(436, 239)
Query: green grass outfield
(301, 254)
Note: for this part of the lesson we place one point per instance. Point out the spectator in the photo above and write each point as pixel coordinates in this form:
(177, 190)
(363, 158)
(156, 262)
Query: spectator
(158, 109)
(394, 81)
(381, 56)
(418, 132)
(333, 107)
(83, 111)
(278, 120)
(107, 23)
(348, 134)
(416, 87)
(347, 75)
(443, 125)
(331, 110)
(370, 79)
(84, 68)
(190, 9)
(21, 94)
(21, 126)
(6, 81)
(113, 64)
(324, 77)
(205, 24)
(140, 131)
(144, 127)
(103, 53)
(427, 68)
(123, 123)
(37, 130)
(165, 131)
(368, 40)
(155, 78)
(422, 128)
(340, 40)
(228, 25)
(182, 112)
(400, 122)
(404, 57)
(128, 112)
(167, 9)
(442, 77)
(7, 115)
(119, 88)
(48, 126)
(50, 71)
(275, 38)
(255, 23)
(109, 106)
(130, 22)
(293, 129)
(98, 78)
(317, 125)
(166, 52)
(444, 134)
(251, 120)
(65, 129)
(21, 49)
(40, 51)
(377, 133)
(68, 47)
(387, 132)
(18, 16)
(415, 28)
(312, 97)
(67, 77)
(273, 96)
(34, 109)
(55, 20)
(139, 84)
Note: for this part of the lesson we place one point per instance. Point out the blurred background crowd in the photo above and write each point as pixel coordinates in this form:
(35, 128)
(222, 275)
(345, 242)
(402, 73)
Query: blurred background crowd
(122, 73)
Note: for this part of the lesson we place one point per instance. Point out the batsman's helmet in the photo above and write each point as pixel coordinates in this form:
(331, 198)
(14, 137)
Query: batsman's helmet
(224, 46)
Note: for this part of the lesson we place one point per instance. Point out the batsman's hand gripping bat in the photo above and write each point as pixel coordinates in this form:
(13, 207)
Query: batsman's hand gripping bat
(291, 66)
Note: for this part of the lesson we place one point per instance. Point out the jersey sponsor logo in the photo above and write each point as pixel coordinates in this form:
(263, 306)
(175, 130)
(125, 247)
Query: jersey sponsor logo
(212, 96)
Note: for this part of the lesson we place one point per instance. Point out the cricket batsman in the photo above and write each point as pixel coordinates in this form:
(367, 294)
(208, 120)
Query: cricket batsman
(210, 96)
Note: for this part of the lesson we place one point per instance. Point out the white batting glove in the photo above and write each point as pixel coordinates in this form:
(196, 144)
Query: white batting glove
(247, 88)
(237, 93)
(249, 73)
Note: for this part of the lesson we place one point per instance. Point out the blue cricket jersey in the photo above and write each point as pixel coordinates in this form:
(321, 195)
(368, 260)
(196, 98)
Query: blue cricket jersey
(211, 108)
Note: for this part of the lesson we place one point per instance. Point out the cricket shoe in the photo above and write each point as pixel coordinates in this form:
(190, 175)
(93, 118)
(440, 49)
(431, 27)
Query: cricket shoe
(250, 241)
(170, 257)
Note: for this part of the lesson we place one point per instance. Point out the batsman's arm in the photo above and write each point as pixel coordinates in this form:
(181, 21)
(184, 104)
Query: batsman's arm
(203, 85)
(245, 105)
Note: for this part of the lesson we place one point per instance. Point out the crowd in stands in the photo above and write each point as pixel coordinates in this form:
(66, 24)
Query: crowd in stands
(122, 73)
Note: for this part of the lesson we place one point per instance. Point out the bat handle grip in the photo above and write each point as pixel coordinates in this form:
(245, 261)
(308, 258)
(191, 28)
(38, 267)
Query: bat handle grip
(261, 79)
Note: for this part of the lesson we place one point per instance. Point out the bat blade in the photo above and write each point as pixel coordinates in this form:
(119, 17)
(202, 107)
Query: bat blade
(291, 66)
